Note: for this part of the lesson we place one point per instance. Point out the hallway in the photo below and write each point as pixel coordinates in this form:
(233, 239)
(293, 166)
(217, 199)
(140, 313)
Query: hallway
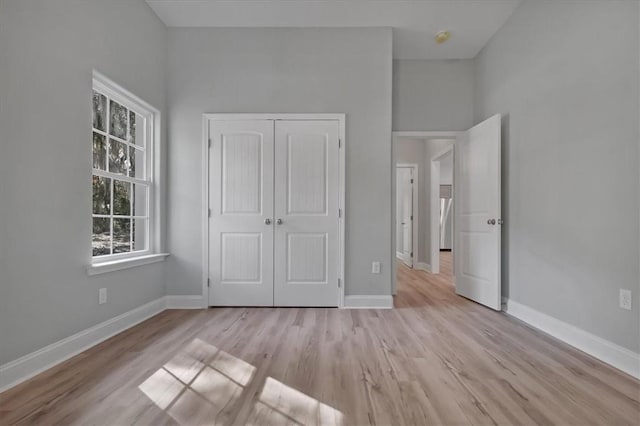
(429, 287)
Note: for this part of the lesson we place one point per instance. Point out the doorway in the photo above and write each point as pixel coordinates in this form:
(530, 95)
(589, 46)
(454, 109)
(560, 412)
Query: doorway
(414, 150)
(274, 210)
(476, 226)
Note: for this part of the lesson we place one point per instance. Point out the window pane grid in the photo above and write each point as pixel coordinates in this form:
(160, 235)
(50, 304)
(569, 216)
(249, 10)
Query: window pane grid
(128, 144)
(117, 139)
(130, 184)
(107, 161)
(105, 216)
(123, 178)
(111, 203)
(132, 220)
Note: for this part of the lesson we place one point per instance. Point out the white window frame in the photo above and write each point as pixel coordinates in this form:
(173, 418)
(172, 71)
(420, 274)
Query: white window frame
(152, 253)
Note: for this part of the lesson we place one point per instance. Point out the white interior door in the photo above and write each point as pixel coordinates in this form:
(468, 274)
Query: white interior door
(241, 202)
(404, 198)
(478, 214)
(306, 213)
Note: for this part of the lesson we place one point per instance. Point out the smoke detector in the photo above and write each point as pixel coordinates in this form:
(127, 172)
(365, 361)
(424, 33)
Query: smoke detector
(442, 36)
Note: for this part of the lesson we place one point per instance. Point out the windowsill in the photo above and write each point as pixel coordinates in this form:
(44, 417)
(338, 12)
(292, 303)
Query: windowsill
(116, 265)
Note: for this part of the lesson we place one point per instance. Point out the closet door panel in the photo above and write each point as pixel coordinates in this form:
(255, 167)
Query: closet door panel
(306, 213)
(241, 202)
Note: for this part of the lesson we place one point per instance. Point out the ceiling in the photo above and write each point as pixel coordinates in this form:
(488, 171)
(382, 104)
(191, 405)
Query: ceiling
(414, 22)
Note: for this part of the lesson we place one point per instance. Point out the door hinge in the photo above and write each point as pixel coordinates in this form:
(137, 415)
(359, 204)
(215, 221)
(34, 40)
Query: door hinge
(339, 143)
(209, 142)
(411, 217)
(411, 180)
(209, 212)
(411, 254)
(339, 212)
(208, 282)
(339, 283)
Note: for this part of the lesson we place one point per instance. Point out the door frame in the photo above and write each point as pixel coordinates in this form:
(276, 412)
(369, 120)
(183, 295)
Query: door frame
(414, 209)
(341, 119)
(396, 136)
(434, 206)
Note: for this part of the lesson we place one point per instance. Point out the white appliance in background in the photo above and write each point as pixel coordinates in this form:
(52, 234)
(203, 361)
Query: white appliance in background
(446, 220)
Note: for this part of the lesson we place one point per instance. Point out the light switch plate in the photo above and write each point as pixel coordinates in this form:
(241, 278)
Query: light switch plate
(102, 296)
(375, 267)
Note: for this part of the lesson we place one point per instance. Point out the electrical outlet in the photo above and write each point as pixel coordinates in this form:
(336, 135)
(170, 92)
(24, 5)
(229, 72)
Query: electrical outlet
(375, 267)
(625, 299)
(102, 296)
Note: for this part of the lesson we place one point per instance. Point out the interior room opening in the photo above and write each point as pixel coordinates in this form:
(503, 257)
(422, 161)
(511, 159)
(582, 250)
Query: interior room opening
(423, 207)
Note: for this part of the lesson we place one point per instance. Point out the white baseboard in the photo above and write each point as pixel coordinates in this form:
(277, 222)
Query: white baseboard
(368, 302)
(186, 302)
(604, 350)
(403, 257)
(24, 368)
(423, 266)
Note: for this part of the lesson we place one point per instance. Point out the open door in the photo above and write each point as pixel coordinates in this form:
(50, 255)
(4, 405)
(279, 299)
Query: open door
(404, 198)
(478, 214)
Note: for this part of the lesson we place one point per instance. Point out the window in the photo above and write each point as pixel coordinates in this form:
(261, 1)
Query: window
(123, 131)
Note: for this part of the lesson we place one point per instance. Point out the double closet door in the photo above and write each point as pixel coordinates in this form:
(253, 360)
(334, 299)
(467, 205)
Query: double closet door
(273, 223)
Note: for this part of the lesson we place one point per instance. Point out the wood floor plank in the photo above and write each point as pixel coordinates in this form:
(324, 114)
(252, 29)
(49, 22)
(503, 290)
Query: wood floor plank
(435, 359)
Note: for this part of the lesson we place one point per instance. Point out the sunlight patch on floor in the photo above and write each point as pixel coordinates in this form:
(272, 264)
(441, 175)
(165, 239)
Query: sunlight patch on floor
(200, 382)
(281, 402)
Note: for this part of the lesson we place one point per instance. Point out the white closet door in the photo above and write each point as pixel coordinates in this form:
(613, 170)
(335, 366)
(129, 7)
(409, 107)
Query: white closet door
(306, 213)
(241, 202)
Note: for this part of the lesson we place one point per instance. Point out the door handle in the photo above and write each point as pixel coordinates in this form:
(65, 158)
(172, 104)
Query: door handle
(491, 222)
(279, 221)
(267, 221)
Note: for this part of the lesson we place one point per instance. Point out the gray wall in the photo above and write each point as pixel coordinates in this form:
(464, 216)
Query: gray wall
(284, 70)
(446, 169)
(565, 76)
(432, 95)
(48, 50)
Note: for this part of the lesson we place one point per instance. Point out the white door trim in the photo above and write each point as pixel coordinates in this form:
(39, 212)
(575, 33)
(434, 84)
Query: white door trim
(414, 209)
(341, 119)
(426, 135)
(434, 206)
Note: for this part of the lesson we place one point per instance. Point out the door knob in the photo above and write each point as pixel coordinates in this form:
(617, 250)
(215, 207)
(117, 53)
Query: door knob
(491, 222)
(267, 221)
(279, 221)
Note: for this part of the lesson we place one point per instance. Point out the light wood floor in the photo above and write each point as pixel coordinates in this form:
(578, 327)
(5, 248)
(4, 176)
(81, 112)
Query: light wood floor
(435, 359)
